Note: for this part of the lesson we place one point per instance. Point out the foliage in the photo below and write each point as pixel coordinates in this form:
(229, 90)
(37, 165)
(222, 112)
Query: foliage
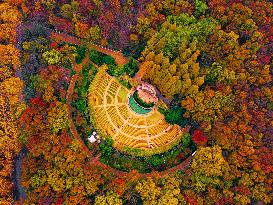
(219, 74)
(95, 33)
(8, 33)
(116, 71)
(166, 191)
(9, 13)
(156, 13)
(57, 117)
(131, 68)
(208, 168)
(169, 60)
(200, 7)
(151, 161)
(11, 105)
(209, 105)
(9, 56)
(82, 30)
(199, 137)
(95, 57)
(175, 116)
(81, 52)
(62, 172)
(52, 57)
(106, 148)
(216, 56)
(109, 199)
(81, 118)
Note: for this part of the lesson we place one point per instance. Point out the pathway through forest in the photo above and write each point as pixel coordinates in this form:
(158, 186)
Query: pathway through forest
(18, 188)
(117, 55)
(95, 161)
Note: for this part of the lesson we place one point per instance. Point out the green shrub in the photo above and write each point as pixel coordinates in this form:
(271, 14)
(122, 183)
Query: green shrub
(131, 68)
(115, 70)
(81, 52)
(109, 60)
(125, 83)
(155, 160)
(106, 147)
(175, 116)
(96, 57)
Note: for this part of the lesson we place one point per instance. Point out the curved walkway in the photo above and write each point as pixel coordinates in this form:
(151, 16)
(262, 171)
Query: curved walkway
(95, 161)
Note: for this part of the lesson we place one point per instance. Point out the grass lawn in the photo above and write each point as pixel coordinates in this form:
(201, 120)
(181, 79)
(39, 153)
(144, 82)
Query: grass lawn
(122, 95)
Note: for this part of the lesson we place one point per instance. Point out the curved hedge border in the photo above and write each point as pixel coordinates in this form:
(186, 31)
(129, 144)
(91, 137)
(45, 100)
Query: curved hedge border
(146, 164)
(136, 107)
(141, 102)
(150, 152)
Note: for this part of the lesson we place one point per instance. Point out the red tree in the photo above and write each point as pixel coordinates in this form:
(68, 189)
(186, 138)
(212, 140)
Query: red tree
(199, 137)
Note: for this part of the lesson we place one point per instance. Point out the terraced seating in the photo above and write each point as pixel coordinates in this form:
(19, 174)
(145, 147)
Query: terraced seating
(108, 101)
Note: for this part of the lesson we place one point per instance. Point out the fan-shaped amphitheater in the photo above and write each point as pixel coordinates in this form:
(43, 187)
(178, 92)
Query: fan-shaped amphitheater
(148, 133)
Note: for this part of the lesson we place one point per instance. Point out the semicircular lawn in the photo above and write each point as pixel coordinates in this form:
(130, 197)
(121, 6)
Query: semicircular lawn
(112, 116)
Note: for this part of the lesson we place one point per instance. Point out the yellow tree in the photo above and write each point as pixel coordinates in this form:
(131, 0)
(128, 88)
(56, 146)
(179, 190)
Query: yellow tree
(148, 191)
(210, 169)
(164, 192)
(8, 32)
(9, 56)
(110, 198)
(57, 117)
(9, 13)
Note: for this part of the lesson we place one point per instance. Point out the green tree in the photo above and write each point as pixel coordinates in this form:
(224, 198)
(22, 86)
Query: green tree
(131, 68)
(96, 57)
(106, 147)
(200, 7)
(175, 116)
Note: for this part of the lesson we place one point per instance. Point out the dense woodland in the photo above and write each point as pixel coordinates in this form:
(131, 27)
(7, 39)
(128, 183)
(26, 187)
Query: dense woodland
(210, 60)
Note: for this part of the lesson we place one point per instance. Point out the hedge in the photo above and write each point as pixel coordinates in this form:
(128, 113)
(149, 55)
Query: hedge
(141, 102)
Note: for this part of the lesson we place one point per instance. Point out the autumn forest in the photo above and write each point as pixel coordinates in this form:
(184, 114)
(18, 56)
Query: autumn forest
(131, 102)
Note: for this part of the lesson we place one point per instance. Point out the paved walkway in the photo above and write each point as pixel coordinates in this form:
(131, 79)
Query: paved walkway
(95, 160)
